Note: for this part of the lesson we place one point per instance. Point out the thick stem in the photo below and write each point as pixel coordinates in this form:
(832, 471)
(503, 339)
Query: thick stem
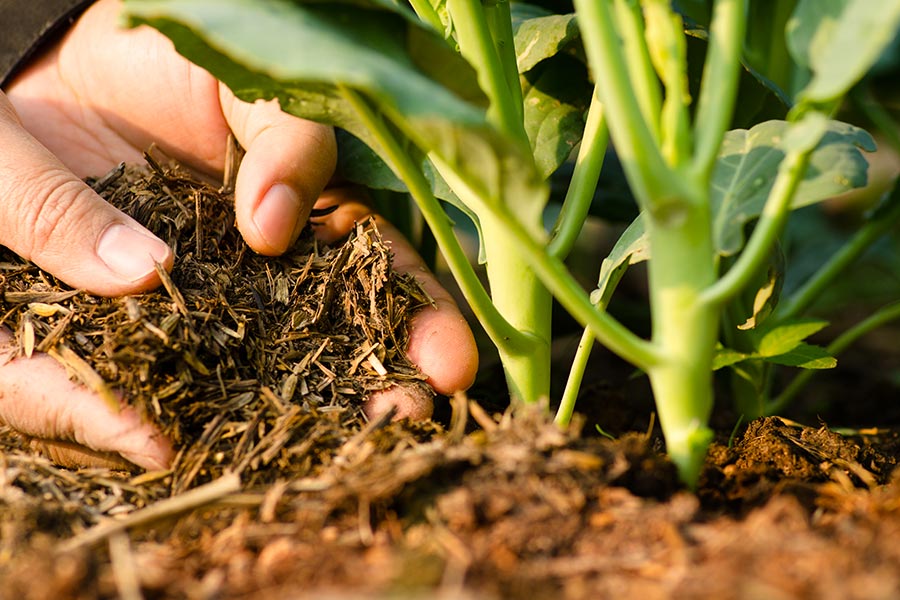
(419, 188)
(525, 304)
(685, 330)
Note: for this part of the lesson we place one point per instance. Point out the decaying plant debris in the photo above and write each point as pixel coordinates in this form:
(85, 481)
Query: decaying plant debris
(237, 356)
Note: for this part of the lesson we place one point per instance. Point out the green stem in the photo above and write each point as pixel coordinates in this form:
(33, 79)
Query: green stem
(477, 46)
(870, 232)
(576, 375)
(499, 22)
(685, 331)
(405, 168)
(426, 12)
(768, 228)
(581, 190)
(525, 304)
(630, 23)
(881, 317)
(718, 89)
(555, 276)
(653, 182)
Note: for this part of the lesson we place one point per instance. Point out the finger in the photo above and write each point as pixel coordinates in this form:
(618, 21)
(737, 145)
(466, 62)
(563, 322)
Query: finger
(441, 343)
(49, 216)
(287, 163)
(40, 401)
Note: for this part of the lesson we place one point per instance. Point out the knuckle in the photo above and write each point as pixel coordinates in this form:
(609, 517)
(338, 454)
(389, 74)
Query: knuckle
(51, 209)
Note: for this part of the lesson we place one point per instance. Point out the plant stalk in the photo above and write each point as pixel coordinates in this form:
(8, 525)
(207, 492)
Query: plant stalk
(555, 276)
(685, 331)
(718, 89)
(630, 24)
(654, 184)
(426, 12)
(477, 45)
(576, 375)
(405, 168)
(581, 190)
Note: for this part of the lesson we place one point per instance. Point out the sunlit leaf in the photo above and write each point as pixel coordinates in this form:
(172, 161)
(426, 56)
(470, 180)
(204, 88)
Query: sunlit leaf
(839, 41)
(785, 338)
(726, 357)
(749, 159)
(540, 36)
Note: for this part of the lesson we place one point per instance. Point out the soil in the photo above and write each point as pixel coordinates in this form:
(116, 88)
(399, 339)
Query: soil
(292, 493)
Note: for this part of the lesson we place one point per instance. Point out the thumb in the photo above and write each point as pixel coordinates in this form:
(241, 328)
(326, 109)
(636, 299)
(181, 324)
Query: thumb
(49, 216)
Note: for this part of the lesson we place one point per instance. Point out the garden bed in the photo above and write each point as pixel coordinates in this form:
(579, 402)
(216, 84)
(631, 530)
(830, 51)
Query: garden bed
(306, 498)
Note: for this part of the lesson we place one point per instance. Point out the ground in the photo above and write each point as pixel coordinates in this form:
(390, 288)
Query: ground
(283, 489)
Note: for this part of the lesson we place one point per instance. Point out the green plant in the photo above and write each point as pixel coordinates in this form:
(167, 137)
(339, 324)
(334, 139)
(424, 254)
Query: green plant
(478, 102)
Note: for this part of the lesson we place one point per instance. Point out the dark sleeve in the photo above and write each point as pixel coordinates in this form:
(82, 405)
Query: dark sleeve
(26, 24)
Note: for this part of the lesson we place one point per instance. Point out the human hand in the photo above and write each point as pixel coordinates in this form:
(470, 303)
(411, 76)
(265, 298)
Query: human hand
(102, 95)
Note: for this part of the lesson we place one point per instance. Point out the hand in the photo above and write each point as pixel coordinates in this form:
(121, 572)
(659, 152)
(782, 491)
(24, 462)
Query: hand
(102, 95)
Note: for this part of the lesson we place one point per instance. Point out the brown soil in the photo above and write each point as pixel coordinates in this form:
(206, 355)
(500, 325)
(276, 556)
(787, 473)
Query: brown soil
(477, 504)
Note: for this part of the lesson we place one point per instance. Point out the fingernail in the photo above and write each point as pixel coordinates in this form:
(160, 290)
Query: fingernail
(277, 215)
(130, 253)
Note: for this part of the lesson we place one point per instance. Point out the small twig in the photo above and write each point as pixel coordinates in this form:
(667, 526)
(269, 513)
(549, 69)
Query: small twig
(128, 584)
(86, 373)
(195, 498)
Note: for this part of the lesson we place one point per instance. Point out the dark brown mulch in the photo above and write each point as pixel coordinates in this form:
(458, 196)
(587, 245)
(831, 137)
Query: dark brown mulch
(282, 490)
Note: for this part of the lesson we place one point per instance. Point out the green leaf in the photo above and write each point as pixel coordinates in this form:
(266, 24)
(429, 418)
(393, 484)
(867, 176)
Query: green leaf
(540, 37)
(305, 53)
(556, 95)
(632, 247)
(805, 356)
(785, 338)
(839, 41)
(726, 357)
(749, 159)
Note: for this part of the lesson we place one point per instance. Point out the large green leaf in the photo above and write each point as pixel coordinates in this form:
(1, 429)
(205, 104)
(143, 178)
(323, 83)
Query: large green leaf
(307, 53)
(749, 159)
(839, 41)
(746, 168)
